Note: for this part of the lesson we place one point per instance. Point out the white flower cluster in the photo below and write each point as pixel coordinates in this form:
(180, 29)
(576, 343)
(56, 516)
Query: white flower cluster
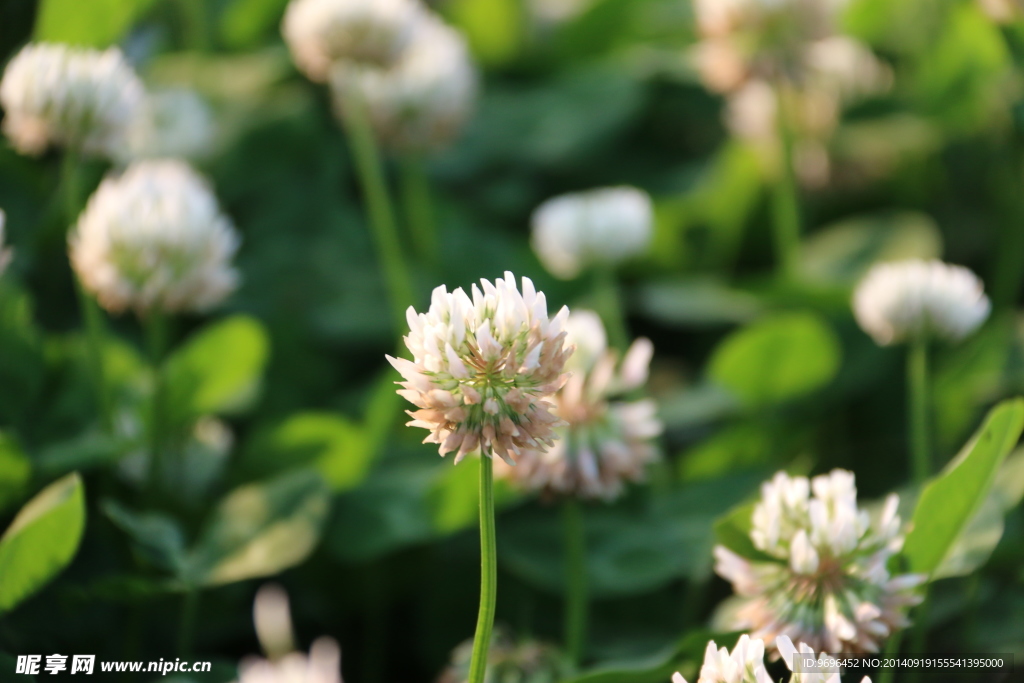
(322, 665)
(155, 237)
(604, 226)
(408, 69)
(745, 664)
(59, 95)
(604, 443)
(897, 302)
(508, 661)
(483, 369)
(829, 586)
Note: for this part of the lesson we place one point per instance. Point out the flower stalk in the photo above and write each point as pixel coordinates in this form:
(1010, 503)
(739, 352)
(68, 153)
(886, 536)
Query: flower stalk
(488, 574)
(785, 199)
(917, 402)
(419, 210)
(156, 328)
(608, 298)
(576, 598)
(370, 169)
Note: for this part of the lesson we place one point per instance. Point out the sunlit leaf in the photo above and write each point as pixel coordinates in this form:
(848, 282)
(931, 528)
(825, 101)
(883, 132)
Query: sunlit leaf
(42, 540)
(157, 537)
(15, 470)
(106, 22)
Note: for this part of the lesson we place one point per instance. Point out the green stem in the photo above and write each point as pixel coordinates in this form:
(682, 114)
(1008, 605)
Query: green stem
(71, 188)
(382, 218)
(187, 625)
(156, 325)
(575, 580)
(488, 574)
(608, 298)
(919, 634)
(917, 398)
(892, 648)
(785, 198)
(419, 210)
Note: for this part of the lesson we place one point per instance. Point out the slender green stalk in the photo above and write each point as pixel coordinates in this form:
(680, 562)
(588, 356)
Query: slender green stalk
(785, 198)
(917, 402)
(156, 325)
(608, 298)
(892, 648)
(488, 574)
(919, 634)
(382, 218)
(575, 580)
(187, 624)
(196, 23)
(419, 209)
(71, 189)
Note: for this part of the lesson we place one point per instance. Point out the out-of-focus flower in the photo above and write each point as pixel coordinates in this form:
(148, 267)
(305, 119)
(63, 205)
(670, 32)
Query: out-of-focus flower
(1003, 11)
(896, 302)
(272, 617)
(422, 101)
(322, 665)
(815, 673)
(508, 661)
(604, 442)
(321, 33)
(5, 254)
(172, 123)
(483, 369)
(58, 95)
(604, 226)
(829, 586)
(155, 237)
(745, 664)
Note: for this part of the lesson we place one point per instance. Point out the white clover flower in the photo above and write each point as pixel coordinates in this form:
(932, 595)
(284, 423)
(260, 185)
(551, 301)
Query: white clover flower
(745, 664)
(604, 226)
(846, 67)
(5, 254)
(604, 442)
(172, 123)
(896, 302)
(322, 665)
(155, 237)
(828, 585)
(483, 369)
(424, 99)
(58, 95)
(321, 33)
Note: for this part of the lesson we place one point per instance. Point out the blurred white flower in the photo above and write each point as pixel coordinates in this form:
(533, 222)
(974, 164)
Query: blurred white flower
(829, 586)
(604, 226)
(896, 302)
(175, 122)
(846, 68)
(273, 619)
(604, 442)
(1002, 11)
(155, 237)
(508, 661)
(806, 674)
(321, 33)
(483, 369)
(322, 665)
(423, 100)
(5, 254)
(745, 664)
(59, 95)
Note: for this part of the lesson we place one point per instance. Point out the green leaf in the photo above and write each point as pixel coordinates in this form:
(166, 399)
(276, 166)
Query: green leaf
(985, 529)
(703, 302)
(494, 28)
(244, 22)
(15, 470)
(41, 540)
(843, 252)
(99, 24)
(335, 446)
(219, 370)
(949, 501)
(157, 537)
(777, 359)
(261, 529)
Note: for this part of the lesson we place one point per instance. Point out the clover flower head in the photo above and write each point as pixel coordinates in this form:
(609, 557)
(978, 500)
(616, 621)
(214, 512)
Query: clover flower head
(827, 583)
(5, 254)
(321, 665)
(321, 33)
(897, 302)
(603, 226)
(58, 95)
(172, 123)
(605, 441)
(483, 368)
(745, 664)
(155, 238)
(421, 102)
(508, 661)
